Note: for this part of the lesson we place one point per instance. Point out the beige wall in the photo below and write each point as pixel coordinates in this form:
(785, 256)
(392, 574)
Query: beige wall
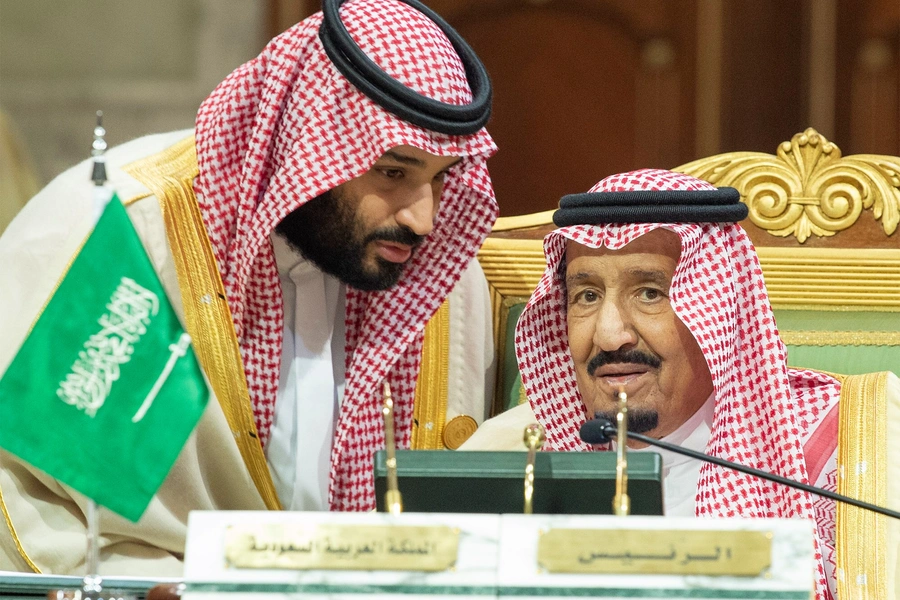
(147, 65)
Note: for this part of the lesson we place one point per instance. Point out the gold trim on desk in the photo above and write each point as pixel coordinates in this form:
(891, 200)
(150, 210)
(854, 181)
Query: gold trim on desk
(169, 175)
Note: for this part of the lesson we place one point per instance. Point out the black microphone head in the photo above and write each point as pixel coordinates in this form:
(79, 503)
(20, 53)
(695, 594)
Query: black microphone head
(597, 431)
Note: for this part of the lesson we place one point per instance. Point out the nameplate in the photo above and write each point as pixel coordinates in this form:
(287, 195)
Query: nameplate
(642, 551)
(329, 546)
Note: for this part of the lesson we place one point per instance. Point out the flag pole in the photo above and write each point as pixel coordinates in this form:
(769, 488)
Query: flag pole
(92, 585)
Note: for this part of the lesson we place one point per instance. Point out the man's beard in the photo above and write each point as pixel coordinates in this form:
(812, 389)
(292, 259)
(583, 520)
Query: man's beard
(639, 420)
(328, 232)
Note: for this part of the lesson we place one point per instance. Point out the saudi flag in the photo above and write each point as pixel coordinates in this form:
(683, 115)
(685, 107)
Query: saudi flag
(106, 389)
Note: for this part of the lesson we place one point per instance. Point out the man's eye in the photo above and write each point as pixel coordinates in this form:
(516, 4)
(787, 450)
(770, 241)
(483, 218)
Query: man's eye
(392, 173)
(587, 297)
(650, 294)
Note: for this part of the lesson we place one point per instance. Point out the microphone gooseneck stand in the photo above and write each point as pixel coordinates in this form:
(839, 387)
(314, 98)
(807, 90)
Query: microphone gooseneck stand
(602, 431)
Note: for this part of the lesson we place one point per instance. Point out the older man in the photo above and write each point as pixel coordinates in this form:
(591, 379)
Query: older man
(652, 286)
(335, 194)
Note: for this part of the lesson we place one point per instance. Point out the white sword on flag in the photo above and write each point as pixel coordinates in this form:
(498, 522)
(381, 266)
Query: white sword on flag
(178, 349)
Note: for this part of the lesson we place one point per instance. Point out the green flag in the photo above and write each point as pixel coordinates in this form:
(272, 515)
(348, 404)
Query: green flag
(106, 389)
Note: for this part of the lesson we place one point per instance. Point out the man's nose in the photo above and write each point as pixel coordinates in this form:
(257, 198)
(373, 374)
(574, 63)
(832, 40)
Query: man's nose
(614, 329)
(418, 211)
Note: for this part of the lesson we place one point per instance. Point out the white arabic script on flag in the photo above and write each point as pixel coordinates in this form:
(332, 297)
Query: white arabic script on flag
(97, 367)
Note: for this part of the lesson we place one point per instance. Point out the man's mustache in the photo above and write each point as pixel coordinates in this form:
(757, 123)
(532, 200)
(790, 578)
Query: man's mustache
(603, 358)
(400, 235)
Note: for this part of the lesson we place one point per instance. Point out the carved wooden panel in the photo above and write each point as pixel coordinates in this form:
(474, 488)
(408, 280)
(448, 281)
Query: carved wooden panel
(764, 92)
(582, 89)
(868, 76)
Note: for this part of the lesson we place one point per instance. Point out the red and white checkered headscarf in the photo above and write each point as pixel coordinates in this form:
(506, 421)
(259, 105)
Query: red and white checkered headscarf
(764, 415)
(286, 127)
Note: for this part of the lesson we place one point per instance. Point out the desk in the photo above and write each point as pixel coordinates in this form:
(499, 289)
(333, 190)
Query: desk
(28, 586)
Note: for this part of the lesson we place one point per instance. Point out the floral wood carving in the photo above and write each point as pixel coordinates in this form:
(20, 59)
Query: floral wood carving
(808, 188)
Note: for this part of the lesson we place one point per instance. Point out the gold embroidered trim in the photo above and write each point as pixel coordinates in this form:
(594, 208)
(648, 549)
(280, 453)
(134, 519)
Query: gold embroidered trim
(169, 175)
(134, 199)
(861, 462)
(15, 537)
(430, 410)
(841, 338)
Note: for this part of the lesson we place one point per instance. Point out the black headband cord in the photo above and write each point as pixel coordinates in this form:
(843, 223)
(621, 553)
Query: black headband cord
(395, 97)
(721, 205)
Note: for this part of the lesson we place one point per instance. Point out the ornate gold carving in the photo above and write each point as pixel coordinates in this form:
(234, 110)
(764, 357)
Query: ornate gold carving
(808, 188)
(512, 267)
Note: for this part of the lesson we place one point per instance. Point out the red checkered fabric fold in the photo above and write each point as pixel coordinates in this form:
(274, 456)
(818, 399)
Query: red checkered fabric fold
(286, 127)
(764, 412)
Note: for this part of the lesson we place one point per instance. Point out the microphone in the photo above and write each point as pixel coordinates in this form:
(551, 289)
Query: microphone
(602, 431)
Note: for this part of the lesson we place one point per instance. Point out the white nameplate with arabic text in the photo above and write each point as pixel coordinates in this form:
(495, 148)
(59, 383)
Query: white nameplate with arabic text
(244, 554)
(353, 547)
(655, 557)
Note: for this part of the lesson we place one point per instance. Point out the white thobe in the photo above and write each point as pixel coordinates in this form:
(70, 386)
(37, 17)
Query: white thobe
(311, 382)
(681, 474)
